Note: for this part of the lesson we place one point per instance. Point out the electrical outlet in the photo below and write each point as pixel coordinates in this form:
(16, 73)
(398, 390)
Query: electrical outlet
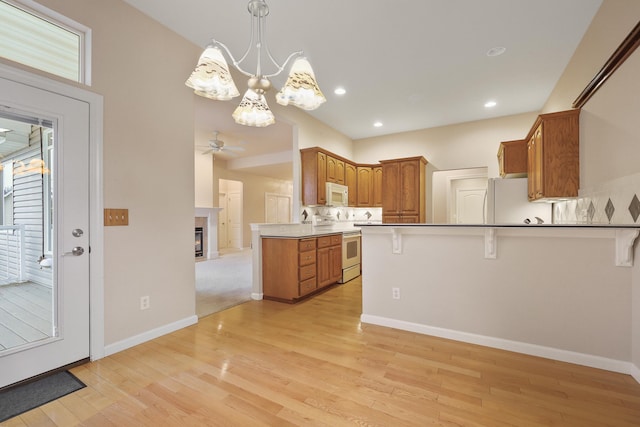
(395, 293)
(144, 302)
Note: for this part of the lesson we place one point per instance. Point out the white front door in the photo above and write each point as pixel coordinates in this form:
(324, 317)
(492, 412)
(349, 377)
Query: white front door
(68, 231)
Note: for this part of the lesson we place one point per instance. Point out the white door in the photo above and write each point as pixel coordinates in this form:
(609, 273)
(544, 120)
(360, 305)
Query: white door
(223, 240)
(277, 208)
(68, 341)
(470, 206)
(235, 220)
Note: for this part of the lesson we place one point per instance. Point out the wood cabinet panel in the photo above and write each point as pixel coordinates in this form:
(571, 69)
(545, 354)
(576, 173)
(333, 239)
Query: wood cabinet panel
(351, 181)
(377, 186)
(314, 177)
(553, 156)
(335, 170)
(512, 158)
(329, 261)
(404, 190)
(365, 186)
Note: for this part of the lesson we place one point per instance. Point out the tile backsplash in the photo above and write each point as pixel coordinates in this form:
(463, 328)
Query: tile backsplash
(612, 202)
(342, 214)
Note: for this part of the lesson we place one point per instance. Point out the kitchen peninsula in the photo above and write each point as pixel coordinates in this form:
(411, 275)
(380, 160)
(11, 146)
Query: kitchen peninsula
(565, 292)
(294, 261)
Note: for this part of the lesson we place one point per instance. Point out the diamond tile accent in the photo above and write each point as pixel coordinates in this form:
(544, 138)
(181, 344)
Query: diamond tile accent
(591, 211)
(634, 208)
(609, 210)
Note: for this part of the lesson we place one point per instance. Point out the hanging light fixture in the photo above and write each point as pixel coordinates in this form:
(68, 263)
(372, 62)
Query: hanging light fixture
(212, 79)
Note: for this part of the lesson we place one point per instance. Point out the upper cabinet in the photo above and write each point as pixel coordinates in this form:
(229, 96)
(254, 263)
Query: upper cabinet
(512, 158)
(320, 166)
(314, 176)
(351, 181)
(335, 170)
(553, 162)
(403, 190)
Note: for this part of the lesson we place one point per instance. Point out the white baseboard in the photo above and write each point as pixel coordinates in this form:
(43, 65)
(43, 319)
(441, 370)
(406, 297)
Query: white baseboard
(257, 296)
(635, 372)
(149, 335)
(503, 344)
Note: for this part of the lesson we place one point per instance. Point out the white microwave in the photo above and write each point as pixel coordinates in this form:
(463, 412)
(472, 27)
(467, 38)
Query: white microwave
(337, 194)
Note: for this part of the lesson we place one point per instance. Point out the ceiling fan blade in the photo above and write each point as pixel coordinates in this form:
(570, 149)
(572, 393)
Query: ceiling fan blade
(208, 151)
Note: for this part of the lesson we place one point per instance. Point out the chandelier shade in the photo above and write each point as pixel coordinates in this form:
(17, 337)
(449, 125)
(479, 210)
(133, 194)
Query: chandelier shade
(212, 79)
(301, 88)
(253, 111)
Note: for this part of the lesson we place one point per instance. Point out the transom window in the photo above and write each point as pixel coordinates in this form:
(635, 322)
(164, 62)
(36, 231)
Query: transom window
(41, 38)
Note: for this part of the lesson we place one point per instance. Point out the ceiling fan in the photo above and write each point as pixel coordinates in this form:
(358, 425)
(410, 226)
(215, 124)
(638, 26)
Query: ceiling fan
(217, 146)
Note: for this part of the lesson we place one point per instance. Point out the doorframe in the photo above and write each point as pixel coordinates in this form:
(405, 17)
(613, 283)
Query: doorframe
(96, 242)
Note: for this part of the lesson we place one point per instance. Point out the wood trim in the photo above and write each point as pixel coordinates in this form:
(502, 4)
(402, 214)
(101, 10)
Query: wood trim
(626, 48)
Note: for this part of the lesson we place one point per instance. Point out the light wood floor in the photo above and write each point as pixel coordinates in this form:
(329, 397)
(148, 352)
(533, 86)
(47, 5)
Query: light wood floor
(264, 363)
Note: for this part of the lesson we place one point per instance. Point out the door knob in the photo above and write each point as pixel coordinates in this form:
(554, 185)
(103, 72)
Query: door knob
(77, 232)
(76, 251)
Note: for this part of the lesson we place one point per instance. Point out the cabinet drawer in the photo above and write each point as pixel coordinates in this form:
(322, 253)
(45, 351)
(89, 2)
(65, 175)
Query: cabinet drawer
(306, 244)
(307, 286)
(306, 258)
(307, 272)
(324, 241)
(336, 239)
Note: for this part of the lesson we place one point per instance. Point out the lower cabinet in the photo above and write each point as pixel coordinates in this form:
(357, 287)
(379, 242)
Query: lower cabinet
(294, 268)
(329, 260)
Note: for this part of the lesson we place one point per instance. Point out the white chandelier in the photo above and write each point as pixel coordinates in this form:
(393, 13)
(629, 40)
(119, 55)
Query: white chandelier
(212, 79)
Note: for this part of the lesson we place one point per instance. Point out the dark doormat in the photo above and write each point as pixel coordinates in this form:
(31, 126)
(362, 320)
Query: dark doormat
(22, 398)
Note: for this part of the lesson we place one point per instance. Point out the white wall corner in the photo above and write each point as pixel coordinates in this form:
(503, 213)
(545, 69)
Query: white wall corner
(396, 241)
(490, 243)
(149, 335)
(625, 239)
(635, 373)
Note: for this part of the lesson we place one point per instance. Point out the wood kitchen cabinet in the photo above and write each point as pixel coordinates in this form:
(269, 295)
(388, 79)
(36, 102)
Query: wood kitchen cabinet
(314, 176)
(335, 170)
(329, 260)
(512, 158)
(288, 268)
(369, 186)
(377, 186)
(403, 190)
(365, 185)
(293, 268)
(320, 166)
(553, 162)
(351, 181)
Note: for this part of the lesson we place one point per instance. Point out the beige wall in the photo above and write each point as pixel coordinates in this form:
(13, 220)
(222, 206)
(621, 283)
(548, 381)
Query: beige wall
(465, 145)
(609, 124)
(148, 164)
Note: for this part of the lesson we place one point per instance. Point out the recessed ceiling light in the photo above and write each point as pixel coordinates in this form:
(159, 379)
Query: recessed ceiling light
(340, 91)
(377, 124)
(496, 51)
(490, 104)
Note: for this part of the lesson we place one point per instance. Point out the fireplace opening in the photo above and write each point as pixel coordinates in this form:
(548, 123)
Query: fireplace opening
(199, 241)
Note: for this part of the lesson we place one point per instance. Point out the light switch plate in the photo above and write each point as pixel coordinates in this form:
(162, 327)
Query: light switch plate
(116, 217)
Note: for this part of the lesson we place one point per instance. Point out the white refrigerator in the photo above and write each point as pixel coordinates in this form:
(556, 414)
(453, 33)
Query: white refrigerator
(507, 203)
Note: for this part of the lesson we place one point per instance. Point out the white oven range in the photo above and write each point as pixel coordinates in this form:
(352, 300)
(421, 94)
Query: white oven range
(350, 255)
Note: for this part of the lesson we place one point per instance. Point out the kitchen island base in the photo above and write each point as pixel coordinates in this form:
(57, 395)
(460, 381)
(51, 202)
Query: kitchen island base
(550, 291)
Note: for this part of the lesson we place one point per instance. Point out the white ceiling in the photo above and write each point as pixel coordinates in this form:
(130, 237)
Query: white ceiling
(411, 64)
